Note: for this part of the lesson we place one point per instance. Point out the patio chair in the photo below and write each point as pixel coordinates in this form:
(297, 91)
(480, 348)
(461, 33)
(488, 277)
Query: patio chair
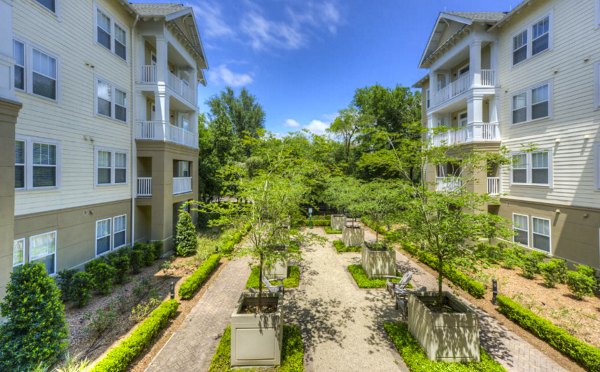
(399, 291)
(273, 288)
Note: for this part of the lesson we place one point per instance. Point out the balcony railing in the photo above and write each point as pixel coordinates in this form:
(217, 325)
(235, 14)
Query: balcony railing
(471, 133)
(148, 74)
(144, 186)
(182, 185)
(493, 185)
(164, 131)
(488, 78)
(447, 183)
(461, 85)
(180, 87)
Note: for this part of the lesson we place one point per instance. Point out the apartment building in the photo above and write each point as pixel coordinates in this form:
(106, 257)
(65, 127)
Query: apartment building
(529, 80)
(105, 148)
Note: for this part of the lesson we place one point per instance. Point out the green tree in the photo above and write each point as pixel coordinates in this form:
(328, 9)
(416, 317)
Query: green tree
(346, 126)
(35, 332)
(242, 112)
(186, 240)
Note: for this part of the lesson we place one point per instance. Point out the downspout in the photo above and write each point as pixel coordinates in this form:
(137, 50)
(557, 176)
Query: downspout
(133, 156)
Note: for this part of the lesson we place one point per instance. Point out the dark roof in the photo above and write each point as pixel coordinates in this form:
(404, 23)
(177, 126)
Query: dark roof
(480, 16)
(156, 10)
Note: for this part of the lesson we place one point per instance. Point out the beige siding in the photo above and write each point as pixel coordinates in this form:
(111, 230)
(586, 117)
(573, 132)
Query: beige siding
(71, 119)
(573, 127)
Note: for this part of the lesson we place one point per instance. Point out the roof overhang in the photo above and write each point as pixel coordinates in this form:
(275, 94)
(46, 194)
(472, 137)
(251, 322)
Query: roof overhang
(421, 82)
(438, 30)
(511, 14)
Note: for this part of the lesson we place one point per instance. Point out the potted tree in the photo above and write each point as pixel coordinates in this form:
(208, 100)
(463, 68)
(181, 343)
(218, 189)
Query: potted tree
(340, 193)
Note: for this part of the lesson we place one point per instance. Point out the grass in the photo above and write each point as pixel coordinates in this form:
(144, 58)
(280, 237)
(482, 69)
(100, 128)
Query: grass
(292, 353)
(330, 230)
(341, 247)
(415, 358)
(292, 281)
(363, 281)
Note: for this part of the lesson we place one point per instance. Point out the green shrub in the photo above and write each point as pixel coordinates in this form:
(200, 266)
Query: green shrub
(530, 264)
(292, 352)
(415, 358)
(363, 281)
(103, 274)
(81, 288)
(330, 230)
(64, 281)
(191, 285)
(292, 280)
(102, 320)
(119, 357)
(158, 246)
(136, 259)
(186, 239)
(554, 271)
(583, 353)
(512, 257)
(229, 239)
(341, 247)
(581, 283)
(35, 331)
(120, 262)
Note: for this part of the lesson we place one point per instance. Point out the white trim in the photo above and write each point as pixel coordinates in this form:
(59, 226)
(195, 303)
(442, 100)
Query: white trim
(529, 168)
(29, 259)
(55, 13)
(529, 102)
(514, 228)
(29, 141)
(113, 22)
(115, 232)
(549, 236)
(113, 88)
(28, 86)
(22, 240)
(458, 74)
(529, 29)
(113, 151)
(110, 242)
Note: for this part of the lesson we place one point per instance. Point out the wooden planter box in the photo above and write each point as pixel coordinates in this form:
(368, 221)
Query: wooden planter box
(278, 270)
(353, 235)
(256, 339)
(449, 337)
(338, 221)
(378, 263)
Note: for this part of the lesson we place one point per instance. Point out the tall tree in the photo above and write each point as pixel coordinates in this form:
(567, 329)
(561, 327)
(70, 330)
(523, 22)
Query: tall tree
(243, 113)
(346, 126)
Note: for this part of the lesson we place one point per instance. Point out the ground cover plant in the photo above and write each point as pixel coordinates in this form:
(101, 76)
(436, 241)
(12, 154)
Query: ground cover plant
(292, 280)
(292, 352)
(340, 247)
(363, 281)
(330, 230)
(415, 358)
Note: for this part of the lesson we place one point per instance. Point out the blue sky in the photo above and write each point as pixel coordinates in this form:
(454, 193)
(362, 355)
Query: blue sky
(303, 59)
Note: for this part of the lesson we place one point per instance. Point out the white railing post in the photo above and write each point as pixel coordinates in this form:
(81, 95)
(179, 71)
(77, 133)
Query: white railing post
(144, 186)
(163, 131)
(493, 185)
(182, 185)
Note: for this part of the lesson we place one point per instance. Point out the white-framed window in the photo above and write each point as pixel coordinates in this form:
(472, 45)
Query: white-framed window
(119, 231)
(540, 232)
(525, 47)
(463, 119)
(111, 34)
(37, 164)
(18, 252)
(533, 168)
(50, 4)
(103, 236)
(182, 169)
(532, 104)
(111, 166)
(521, 229)
(427, 98)
(110, 101)
(42, 248)
(35, 71)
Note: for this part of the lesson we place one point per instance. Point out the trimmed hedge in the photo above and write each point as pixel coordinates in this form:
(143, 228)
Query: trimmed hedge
(340, 247)
(292, 280)
(330, 230)
(416, 360)
(119, 358)
(228, 240)
(473, 287)
(191, 285)
(363, 281)
(583, 353)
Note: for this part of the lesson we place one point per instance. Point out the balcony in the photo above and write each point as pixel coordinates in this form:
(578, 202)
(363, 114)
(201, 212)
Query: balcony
(166, 132)
(493, 185)
(144, 186)
(447, 183)
(461, 85)
(482, 132)
(179, 87)
(182, 185)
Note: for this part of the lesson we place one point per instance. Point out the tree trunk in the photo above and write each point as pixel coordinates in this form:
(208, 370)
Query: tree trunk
(260, 283)
(440, 277)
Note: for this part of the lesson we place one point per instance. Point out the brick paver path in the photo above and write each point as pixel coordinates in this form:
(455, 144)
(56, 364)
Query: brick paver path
(192, 347)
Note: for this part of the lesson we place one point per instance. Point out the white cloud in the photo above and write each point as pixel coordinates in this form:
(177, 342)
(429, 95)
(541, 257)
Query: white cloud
(212, 23)
(265, 33)
(222, 75)
(317, 127)
(291, 123)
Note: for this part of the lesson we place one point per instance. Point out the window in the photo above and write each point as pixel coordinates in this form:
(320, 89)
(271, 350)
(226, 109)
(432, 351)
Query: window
(36, 163)
(428, 98)
(520, 47)
(50, 4)
(110, 101)
(42, 248)
(102, 236)
(119, 230)
(532, 168)
(463, 70)
(521, 229)
(19, 55)
(44, 75)
(540, 229)
(19, 164)
(532, 104)
(44, 165)
(525, 47)
(18, 252)
(183, 169)
(111, 167)
(463, 119)
(111, 35)
(540, 36)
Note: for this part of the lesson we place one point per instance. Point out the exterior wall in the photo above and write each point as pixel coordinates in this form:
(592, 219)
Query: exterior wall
(75, 227)
(71, 119)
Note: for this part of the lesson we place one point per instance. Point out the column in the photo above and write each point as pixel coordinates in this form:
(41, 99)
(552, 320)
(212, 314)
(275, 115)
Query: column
(475, 62)
(494, 60)
(475, 117)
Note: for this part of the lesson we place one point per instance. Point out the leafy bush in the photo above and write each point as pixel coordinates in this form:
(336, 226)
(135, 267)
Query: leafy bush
(363, 281)
(512, 257)
(230, 238)
(64, 280)
(582, 282)
(330, 230)
(104, 275)
(292, 352)
(531, 262)
(191, 285)
(292, 280)
(136, 259)
(415, 358)
(554, 271)
(583, 353)
(35, 331)
(81, 288)
(141, 310)
(101, 321)
(186, 239)
(119, 358)
(341, 247)
(158, 246)
(120, 261)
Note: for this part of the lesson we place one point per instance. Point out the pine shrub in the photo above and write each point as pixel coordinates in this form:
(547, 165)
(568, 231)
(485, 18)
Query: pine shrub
(82, 286)
(186, 239)
(35, 332)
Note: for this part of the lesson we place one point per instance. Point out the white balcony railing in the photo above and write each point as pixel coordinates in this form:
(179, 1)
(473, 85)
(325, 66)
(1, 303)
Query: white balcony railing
(144, 186)
(493, 185)
(148, 74)
(447, 183)
(461, 85)
(164, 131)
(181, 87)
(182, 185)
(488, 78)
(471, 133)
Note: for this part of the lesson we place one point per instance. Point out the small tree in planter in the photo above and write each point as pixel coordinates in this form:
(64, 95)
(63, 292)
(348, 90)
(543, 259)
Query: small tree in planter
(340, 193)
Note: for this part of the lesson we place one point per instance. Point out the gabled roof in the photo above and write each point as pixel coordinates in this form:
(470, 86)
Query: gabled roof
(156, 10)
(480, 16)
